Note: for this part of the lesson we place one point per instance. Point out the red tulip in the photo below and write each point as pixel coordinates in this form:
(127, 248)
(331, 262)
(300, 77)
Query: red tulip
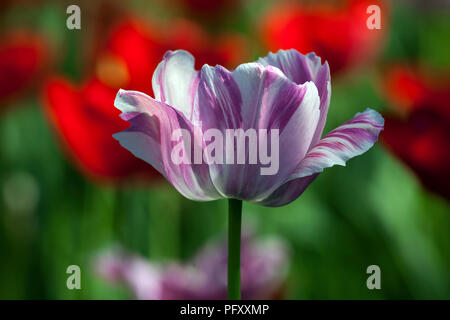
(134, 50)
(408, 88)
(86, 121)
(337, 33)
(132, 53)
(419, 133)
(21, 58)
(85, 117)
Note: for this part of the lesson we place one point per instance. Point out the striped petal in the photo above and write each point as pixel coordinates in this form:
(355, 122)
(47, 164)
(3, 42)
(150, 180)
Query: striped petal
(150, 138)
(257, 97)
(175, 81)
(300, 69)
(347, 141)
(218, 100)
(343, 143)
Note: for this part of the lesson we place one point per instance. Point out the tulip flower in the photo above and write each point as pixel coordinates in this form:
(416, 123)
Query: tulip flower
(194, 131)
(336, 30)
(285, 91)
(417, 131)
(264, 266)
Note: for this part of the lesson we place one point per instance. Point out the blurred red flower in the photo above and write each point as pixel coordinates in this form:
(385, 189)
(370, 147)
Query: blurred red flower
(418, 131)
(336, 31)
(22, 56)
(408, 88)
(86, 121)
(85, 116)
(134, 50)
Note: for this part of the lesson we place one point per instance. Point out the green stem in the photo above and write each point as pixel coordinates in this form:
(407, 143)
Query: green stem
(234, 249)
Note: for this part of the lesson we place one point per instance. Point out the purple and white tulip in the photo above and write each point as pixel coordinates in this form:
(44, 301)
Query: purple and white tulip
(285, 91)
(263, 266)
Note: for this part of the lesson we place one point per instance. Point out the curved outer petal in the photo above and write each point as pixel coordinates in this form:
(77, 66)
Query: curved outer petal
(175, 81)
(300, 69)
(349, 140)
(149, 138)
(257, 97)
(288, 192)
(346, 141)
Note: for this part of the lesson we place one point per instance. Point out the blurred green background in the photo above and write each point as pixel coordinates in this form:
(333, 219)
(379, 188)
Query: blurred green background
(374, 211)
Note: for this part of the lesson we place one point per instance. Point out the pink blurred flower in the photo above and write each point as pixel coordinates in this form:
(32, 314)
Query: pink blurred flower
(263, 268)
